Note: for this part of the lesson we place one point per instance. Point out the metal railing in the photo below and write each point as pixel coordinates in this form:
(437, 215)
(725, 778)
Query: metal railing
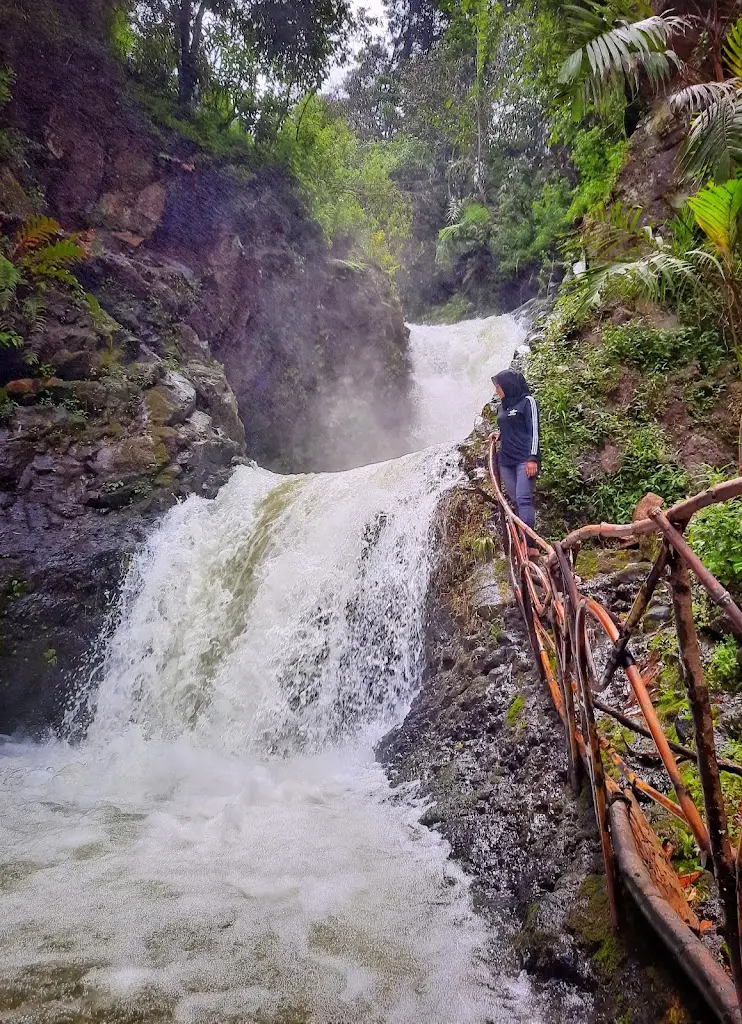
(569, 633)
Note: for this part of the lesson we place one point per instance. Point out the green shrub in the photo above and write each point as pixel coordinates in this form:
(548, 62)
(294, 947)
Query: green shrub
(639, 344)
(570, 313)
(451, 312)
(715, 534)
(571, 387)
(598, 156)
(723, 669)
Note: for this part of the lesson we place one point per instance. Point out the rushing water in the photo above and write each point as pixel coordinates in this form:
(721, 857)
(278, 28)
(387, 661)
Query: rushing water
(222, 846)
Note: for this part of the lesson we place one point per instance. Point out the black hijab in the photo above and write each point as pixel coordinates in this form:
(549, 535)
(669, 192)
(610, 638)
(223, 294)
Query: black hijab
(514, 387)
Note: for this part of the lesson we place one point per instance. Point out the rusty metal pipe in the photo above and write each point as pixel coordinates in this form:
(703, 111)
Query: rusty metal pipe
(715, 590)
(638, 608)
(677, 748)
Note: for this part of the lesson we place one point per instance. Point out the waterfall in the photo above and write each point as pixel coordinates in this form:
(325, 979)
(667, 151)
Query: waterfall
(222, 846)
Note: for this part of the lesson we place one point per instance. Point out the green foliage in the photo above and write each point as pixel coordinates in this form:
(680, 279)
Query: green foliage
(613, 49)
(7, 406)
(235, 56)
(50, 657)
(723, 670)
(40, 253)
(7, 80)
(456, 309)
(576, 422)
(648, 348)
(470, 229)
(349, 184)
(483, 548)
(515, 712)
(715, 534)
(570, 313)
(717, 209)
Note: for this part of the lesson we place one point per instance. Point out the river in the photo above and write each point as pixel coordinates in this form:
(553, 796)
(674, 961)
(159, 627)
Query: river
(222, 846)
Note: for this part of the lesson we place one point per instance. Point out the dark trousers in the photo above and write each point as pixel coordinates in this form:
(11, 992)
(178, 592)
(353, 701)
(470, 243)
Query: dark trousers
(519, 488)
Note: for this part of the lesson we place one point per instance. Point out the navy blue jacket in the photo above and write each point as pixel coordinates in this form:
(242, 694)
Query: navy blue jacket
(517, 421)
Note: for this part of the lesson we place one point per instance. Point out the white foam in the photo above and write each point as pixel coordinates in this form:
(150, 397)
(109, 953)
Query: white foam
(222, 847)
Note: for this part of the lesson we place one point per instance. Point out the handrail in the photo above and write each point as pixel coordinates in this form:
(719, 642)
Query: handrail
(560, 618)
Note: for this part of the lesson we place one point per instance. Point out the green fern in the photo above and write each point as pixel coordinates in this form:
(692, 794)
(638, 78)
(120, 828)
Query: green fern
(34, 313)
(34, 233)
(10, 277)
(47, 260)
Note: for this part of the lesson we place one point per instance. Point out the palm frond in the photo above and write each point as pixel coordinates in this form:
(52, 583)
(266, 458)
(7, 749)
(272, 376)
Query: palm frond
(613, 52)
(695, 98)
(717, 209)
(733, 48)
(612, 229)
(658, 275)
(713, 147)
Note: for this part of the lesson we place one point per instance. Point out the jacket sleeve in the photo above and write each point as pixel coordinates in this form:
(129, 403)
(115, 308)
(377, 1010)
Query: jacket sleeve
(534, 448)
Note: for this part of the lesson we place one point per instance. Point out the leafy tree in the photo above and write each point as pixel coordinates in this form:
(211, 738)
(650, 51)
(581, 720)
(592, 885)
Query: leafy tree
(414, 26)
(292, 41)
(349, 183)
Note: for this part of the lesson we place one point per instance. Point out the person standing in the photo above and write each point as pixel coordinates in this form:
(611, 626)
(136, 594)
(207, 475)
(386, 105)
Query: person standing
(519, 452)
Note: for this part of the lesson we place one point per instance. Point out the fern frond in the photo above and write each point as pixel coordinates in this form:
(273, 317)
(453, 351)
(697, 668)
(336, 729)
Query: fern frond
(10, 277)
(713, 147)
(64, 253)
(35, 232)
(60, 274)
(34, 312)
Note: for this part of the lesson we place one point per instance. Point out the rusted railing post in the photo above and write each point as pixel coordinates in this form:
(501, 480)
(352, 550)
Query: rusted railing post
(570, 598)
(636, 612)
(708, 768)
(595, 757)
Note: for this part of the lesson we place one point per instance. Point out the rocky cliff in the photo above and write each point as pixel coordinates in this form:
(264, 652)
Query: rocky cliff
(220, 326)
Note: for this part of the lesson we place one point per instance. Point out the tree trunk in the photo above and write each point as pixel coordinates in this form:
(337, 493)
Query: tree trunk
(187, 77)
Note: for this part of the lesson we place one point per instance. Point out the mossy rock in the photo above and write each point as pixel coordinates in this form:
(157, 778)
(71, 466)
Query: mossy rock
(595, 561)
(590, 921)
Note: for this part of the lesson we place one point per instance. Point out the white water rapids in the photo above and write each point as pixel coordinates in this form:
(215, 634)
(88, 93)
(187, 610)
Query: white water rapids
(222, 846)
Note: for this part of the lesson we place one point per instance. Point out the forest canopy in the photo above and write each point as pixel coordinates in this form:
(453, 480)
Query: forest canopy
(465, 140)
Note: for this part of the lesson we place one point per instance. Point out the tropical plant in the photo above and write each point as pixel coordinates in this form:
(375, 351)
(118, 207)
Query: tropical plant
(663, 269)
(470, 229)
(715, 534)
(713, 147)
(291, 42)
(613, 43)
(38, 254)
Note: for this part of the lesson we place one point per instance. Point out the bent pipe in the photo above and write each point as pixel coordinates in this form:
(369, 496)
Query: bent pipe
(712, 982)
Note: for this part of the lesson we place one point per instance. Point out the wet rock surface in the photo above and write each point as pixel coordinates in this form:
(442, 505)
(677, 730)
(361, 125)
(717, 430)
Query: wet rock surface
(486, 746)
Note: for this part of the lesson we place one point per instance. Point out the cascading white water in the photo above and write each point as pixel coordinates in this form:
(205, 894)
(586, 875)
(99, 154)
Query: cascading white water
(222, 847)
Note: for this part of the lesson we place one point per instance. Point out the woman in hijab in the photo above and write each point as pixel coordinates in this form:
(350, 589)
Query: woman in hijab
(519, 454)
